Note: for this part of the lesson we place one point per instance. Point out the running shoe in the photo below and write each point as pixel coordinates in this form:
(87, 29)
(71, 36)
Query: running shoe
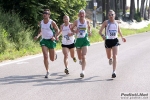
(66, 71)
(113, 75)
(47, 74)
(82, 75)
(74, 59)
(110, 61)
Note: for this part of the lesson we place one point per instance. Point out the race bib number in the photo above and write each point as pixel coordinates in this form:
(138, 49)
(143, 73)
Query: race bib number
(66, 37)
(81, 34)
(112, 32)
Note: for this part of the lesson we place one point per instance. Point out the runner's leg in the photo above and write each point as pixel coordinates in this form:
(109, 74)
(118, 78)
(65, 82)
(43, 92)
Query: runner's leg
(45, 56)
(72, 54)
(109, 56)
(79, 53)
(84, 51)
(52, 54)
(115, 52)
(65, 52)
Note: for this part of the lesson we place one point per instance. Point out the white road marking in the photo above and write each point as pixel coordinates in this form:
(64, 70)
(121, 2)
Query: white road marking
(22, 63)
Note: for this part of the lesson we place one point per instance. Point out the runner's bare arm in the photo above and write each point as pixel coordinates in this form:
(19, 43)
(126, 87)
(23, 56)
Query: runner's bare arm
(120, 33)
(89, 28)
(54, 25)
(71, 33)
(73, 26)
(60, 31)
(102, 27)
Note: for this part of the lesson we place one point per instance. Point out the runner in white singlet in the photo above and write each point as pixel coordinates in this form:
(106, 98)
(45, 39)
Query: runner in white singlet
(111, 39)
(82, 41)
(48, 43)
(67, 42)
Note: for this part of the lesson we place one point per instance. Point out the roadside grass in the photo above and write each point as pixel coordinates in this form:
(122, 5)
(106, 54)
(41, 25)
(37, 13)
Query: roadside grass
(135, 31)
(36, 49)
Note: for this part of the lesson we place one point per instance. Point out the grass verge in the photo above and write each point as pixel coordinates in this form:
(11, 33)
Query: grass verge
(13, 54)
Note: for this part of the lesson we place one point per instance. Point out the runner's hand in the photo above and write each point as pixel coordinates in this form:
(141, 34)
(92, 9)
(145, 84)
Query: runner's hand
(89, 34)
(123, 39)
(36, 37)
(53, 38)
(57, 38)
(104, 37)
(69, 34)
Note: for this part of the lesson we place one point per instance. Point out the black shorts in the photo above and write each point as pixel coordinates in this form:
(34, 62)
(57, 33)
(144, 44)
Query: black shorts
(68, 46)
(109, 43)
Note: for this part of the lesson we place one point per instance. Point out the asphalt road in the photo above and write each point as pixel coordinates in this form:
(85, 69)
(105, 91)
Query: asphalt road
(23, 79)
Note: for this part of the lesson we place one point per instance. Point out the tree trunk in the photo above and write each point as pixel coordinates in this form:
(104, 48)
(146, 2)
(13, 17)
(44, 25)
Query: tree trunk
(138, 8)
(116, 8)
(103, 10)
(124, 7)
(149, 10)
(107, 8)
(121, 4)
(132, 10)
(142, 8)
(145, 11)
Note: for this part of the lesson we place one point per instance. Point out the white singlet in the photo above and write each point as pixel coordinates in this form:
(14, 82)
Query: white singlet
(66, 40)
(111, 30)
(47, 33)
(82, 29)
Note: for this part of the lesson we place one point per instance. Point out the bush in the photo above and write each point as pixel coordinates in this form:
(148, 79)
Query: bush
(16, 30)
(137, 17)
(3, 40)
(14, 33)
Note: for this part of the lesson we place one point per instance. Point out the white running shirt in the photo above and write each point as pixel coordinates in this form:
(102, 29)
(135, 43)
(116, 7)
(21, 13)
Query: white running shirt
(111, 30)
(46, 31)
(82, 29)
(66, 40)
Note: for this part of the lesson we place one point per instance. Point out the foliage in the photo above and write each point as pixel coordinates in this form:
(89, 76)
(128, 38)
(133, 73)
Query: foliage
(30, 10)
(14, 33)
(3, 40)
(137, 17)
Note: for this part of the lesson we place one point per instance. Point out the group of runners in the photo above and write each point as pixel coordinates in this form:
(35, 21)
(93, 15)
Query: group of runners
(81, 29)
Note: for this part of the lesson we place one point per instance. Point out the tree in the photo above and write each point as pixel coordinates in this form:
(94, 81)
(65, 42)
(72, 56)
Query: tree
(145, 11)
(116, 8)
(107, 8)
(137, 15)
(132, 10)
(149, 10)
(31, 10)
(138, 8)
(103, 10)
(124, 7)
(142, 8)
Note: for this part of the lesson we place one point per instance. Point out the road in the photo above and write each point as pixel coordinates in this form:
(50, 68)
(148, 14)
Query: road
(23, 79)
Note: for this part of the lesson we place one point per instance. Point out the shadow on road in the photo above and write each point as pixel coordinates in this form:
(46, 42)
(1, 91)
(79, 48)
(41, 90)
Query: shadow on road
(54, 79)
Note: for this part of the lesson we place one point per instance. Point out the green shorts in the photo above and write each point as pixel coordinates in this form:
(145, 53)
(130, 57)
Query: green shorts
(81, 42)
(48, 43)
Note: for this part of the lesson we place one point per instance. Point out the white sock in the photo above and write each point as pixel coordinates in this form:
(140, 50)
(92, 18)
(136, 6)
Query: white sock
(83, 71)
(114, 71)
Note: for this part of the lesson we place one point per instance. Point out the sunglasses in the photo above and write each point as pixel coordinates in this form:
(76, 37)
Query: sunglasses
(45, 13)
(111, 15)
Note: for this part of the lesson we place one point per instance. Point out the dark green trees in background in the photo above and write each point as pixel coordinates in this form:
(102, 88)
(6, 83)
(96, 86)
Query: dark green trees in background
(30, 10)
(19, 20)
